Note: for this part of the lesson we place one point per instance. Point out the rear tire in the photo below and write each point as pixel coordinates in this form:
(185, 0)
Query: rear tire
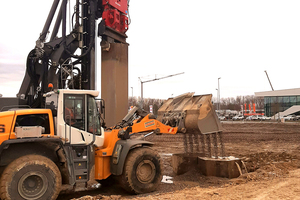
(142, 171)
(30, 177)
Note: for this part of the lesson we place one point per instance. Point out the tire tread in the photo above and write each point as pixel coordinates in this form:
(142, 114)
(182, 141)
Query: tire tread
(126, 181)
(9, 170)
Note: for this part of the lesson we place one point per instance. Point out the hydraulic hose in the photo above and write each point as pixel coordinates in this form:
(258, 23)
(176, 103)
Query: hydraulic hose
(30, 64)
(92, 30)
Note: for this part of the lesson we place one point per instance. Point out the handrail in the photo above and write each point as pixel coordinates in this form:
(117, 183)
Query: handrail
(15, 106)
(68, 117)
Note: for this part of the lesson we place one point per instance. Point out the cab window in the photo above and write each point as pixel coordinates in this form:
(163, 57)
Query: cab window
(74, 111)
(34, 120)
(93, 116)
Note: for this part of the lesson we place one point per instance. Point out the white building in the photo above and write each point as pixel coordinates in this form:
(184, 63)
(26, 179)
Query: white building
(281, 101)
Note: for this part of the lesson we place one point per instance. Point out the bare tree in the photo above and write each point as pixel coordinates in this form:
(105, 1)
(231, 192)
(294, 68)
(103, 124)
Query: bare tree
(156, 103)
(231, 103)
(259, 102)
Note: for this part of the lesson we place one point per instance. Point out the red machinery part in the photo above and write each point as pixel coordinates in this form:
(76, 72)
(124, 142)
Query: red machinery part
(115, 14)
(121, 5)
(111, 17)
(124, 24)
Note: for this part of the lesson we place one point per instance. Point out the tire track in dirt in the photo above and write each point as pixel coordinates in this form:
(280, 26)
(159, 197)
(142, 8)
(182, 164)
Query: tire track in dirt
(270, 151)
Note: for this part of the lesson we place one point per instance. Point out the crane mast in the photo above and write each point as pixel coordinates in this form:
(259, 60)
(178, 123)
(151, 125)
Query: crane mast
(68, 59)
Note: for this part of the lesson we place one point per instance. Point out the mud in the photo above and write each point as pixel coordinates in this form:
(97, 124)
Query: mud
(271, 170)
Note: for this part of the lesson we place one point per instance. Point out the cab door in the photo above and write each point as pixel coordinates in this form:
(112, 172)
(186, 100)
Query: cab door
(81, 119)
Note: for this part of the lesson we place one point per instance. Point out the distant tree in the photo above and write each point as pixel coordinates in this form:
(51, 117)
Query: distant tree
(1, 95)
(155, 109)
(156, 103)
(132, 101)
(231, 103)
(239, 100)
(259, 102)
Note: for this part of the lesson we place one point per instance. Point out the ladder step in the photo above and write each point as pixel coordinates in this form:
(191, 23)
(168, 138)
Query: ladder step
(80, 165)
(81, 178)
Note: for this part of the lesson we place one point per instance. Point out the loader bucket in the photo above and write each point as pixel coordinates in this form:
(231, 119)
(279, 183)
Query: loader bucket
(196, 118)
(190, 114)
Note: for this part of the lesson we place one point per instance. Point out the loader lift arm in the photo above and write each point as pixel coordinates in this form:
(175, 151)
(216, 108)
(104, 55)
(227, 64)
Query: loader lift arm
(141, 121)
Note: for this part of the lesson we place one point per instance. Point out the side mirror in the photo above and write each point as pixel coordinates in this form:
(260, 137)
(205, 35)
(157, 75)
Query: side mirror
(101, 107)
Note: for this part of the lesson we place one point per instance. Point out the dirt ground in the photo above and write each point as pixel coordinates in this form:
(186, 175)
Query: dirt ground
(270, 152)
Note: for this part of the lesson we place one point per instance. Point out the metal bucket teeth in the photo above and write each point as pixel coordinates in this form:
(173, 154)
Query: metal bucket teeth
(190, 114)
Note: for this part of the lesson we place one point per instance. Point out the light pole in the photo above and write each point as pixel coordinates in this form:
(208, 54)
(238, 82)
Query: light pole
(219, 93)
(217, 99)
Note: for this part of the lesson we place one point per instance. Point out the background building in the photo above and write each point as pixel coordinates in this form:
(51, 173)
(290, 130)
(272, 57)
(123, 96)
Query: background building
(284, 101)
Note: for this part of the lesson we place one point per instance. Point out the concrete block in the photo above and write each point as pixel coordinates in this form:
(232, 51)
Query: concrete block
(183, 162)
(226, 168)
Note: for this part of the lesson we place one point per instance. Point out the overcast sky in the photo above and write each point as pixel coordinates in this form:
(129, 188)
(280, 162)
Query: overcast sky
(233, 39)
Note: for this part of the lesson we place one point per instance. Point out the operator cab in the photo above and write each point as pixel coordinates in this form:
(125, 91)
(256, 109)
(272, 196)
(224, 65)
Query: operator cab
(76, 116)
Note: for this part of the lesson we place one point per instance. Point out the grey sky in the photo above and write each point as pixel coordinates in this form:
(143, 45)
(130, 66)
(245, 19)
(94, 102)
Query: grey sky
(233, 39)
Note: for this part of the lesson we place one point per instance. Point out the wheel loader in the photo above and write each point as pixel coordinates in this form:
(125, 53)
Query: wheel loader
(43, 148)
(53, 133)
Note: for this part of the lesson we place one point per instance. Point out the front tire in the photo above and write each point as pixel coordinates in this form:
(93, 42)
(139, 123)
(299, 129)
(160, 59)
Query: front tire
(30, 177)
(142, 171)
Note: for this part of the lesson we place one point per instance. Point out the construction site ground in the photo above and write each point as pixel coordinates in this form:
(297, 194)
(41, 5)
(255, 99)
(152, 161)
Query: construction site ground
(270, 151)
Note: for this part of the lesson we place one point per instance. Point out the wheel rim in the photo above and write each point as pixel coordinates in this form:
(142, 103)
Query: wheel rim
(32, 185)
(146, 171)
